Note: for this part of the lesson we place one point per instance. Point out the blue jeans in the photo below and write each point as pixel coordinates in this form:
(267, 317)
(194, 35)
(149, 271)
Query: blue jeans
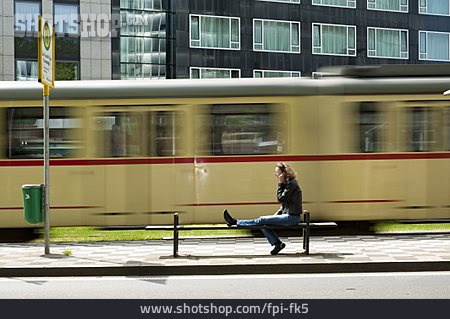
(275, 220)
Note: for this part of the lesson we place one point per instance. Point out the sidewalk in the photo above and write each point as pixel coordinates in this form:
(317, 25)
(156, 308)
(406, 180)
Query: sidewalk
(234, 255)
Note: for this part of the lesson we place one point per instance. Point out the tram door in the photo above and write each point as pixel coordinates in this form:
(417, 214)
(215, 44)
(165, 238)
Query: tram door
(121, 143)
(170, 171)
(145, 179)
(427, 182)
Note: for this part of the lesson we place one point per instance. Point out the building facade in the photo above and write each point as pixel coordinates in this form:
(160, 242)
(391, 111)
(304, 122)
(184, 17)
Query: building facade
(159, 39)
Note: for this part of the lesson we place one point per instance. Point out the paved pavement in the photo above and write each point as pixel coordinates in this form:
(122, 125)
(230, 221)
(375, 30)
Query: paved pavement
(230, 255)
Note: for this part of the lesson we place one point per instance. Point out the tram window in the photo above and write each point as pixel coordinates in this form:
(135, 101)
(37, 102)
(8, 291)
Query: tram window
(422, 128)
(370, 128)
(165, 137)
(121, 134)
(25, 133)
(245, 129)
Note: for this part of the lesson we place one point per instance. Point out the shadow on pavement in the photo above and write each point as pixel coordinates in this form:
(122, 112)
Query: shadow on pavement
(255, 256)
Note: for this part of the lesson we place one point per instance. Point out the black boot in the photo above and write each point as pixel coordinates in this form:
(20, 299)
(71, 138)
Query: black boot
(278, 247)
(228, 218)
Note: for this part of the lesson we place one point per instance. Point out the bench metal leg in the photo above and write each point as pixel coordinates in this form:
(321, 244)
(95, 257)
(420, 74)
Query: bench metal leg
(304, 237)
(176, 220)
(306, 232)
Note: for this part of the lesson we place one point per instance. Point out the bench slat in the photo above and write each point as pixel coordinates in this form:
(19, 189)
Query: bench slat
(223, 227)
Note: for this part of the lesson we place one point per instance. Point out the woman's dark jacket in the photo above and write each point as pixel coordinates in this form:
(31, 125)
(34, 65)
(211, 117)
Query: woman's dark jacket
(289, 194)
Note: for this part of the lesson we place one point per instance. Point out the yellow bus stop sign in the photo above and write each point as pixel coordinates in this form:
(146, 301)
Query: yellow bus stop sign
(46, 58)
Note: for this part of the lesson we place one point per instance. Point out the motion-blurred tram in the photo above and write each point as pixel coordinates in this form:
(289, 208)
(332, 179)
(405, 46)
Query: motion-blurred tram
(365, 148)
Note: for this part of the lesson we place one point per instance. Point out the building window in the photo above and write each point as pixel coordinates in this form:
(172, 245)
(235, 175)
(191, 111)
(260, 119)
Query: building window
(66, 18)
(387, 43)
(245, 129)
(26, 70)
(67, 71)
(212, 32)
(335, 3)
(67, 48)
(141, 4)
(143, 40)
(144, 24)
(333, 39)
(370, 128)
(276, 36)
(388, 5)
(133, 71)
(211, 73)
(436, 7)
(422, 130)
(275, 74)
(143, 50)
(434, 46)
(26, 16)
(285, 1)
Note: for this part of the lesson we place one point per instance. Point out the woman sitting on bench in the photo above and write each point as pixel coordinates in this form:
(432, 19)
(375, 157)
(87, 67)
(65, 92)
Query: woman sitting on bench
(289, 194)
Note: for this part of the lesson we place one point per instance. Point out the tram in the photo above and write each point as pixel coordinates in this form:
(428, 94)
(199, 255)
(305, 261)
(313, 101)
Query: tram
(365, 148)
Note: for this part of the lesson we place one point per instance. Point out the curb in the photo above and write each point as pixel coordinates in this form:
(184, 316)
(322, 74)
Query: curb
(310, 268)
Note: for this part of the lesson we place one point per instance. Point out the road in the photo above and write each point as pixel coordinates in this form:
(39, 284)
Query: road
(306, 286)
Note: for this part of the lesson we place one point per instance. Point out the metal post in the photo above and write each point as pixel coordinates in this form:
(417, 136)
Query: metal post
(308, 231)
(46, 170)
(304, 229)
(175, 234)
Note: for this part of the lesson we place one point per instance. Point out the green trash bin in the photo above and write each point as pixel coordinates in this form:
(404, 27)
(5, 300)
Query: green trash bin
(32, 203)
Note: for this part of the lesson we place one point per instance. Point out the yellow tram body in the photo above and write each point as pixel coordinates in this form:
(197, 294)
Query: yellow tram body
(130, 153)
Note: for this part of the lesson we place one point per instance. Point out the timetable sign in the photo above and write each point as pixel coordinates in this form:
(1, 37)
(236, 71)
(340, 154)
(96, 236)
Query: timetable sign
(46, 52)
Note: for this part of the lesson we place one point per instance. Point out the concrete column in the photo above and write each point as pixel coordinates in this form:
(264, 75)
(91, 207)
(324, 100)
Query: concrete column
(95, 44)
(47, 7)
(1, 42)
(7, 40)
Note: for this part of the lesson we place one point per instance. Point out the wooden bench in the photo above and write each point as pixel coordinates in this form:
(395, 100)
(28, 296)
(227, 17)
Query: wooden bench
(305, 226)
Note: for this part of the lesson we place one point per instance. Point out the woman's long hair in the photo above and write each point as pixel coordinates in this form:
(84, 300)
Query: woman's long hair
(288, 172)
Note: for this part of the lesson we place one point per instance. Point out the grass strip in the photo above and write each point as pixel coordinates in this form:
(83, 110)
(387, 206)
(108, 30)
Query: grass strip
(87, 234)
(381, 227)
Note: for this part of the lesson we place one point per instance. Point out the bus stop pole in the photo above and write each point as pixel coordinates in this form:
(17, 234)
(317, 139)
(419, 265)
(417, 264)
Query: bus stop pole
(46, 94)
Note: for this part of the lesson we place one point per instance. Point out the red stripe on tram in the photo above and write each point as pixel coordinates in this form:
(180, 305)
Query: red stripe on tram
(226, 159)
(229, 204)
